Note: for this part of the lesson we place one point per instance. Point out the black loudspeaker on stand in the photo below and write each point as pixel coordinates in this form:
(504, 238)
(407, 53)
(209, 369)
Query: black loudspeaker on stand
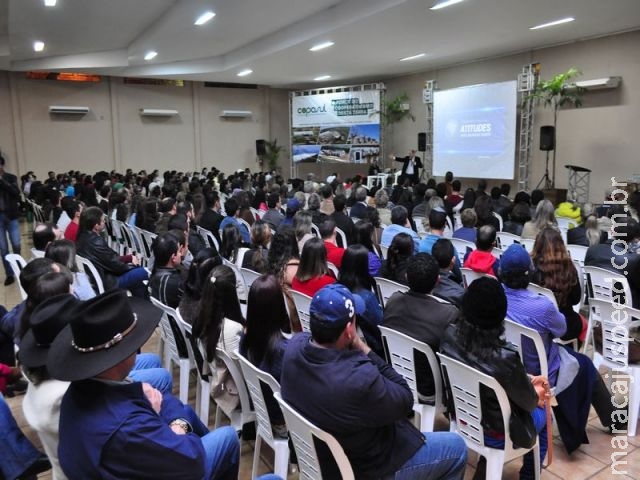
(261, 148)
(547, 143)
(422, 142)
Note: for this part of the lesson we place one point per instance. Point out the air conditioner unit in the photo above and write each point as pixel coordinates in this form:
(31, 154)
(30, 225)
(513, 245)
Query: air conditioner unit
(68, 110)
(599, 83)
(158, 112)
(235, 113)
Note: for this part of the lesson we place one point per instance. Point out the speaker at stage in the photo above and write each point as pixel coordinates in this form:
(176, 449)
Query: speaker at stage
(422, 142)
(261, 148)
(547, 138)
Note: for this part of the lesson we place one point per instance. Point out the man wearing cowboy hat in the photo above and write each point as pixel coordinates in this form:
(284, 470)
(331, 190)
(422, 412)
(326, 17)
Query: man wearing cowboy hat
(112, 427)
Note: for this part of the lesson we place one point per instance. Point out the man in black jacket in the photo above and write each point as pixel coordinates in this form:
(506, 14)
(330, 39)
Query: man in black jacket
(9, 212)
(166, 280)
(411, 165)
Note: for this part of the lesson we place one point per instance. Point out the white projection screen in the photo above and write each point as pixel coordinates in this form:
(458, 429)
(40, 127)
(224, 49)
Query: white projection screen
(474, 131)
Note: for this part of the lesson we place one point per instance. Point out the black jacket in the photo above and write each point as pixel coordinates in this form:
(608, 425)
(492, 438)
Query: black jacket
(93, 247)
(9, 195)
(166, 286)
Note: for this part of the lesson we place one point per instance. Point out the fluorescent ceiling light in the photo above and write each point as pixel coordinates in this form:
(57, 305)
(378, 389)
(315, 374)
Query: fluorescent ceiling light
(38, 46)
(412, 57)
(554, 23)
(322, 77)
(204, 18)
(150, 55)
(50, 3)
(444, 3)
(244, 73)
(321, 46)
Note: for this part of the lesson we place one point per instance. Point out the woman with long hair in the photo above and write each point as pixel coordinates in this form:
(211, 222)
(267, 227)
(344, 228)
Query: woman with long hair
(354, 274)
(484, 212)
(256, 258)
(520, 214)
(302, 222)
(544, 217)
(398, 255)
(283, 262)
(64, 253)
(363, 232)
(202, 264)
(312, 271)
(230, 242)
(554, 270)
(477, 340)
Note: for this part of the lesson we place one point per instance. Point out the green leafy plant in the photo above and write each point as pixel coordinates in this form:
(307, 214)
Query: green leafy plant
(395, 109)
(272, 154)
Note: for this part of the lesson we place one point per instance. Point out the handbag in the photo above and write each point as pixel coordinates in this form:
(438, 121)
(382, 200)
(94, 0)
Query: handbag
(225, 392)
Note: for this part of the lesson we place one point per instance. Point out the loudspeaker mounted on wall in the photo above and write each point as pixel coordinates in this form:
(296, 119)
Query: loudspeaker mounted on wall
(422, 142)
(260, 148)
(547, 138)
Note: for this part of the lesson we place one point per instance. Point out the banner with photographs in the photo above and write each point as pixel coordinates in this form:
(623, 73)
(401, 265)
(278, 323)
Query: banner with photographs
(339, 127)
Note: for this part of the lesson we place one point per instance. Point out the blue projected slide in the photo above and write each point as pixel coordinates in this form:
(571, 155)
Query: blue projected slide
(474, 131)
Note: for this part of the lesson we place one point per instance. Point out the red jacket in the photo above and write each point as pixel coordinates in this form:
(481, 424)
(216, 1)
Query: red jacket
(334, 253)
(482, 262)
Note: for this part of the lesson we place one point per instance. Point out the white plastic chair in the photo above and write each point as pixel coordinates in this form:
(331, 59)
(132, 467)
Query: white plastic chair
(578, 252)
(581, 279)
(497, 252)
(499, 217)
(514, 333)
(527, 243)
(335, 271)
(420, 225)
(92, 272)
(505, 239)
(400, 350)
(249, 276)
(302, 433)
(469, 276)
(545, 292)
(242, 221)
(465, 384)
(616, 321)
(177, 348)
(255, 378)
(302, 303)
(17, 263)
(241, 287)
(341, 238)
(384, 251)
(565, 223)
(386, 288)
(245, 413)
(35, 253)
(461, 247)
(315, 230)
(146, 239)
(208, 237)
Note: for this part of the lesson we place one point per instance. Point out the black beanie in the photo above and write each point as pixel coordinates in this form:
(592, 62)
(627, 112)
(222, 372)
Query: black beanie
(484, 303)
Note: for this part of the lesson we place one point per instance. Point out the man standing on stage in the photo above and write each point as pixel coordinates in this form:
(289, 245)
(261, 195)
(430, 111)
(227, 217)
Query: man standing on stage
(410, 167)
(9, 212)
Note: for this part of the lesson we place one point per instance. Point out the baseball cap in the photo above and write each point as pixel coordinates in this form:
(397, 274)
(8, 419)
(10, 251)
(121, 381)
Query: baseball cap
(293, 205)
(515, 259)
(335, 304)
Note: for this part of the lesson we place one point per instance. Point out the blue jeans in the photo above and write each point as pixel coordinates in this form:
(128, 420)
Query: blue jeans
(17, 453)
(443, 455)
(132, 281)
(147, 369)
(222, 451)
(12, 228)
(527, 471)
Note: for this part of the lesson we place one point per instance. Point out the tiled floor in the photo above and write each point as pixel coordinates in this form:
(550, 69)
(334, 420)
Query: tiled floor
(591, 461)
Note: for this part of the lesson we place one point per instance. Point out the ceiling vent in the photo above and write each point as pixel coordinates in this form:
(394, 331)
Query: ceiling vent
(599, 83)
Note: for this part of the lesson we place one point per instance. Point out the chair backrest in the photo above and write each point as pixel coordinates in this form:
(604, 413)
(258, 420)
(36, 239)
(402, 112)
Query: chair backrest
(462, 246)
(565, 223)
(527, 243)
(469, 276)
(241, 287)
(240, 257)
(341, 238)
(242, 221)
(335, 271)
(302, 303)
(249, 276)
(127, 236)
(499, 217)
(420, 222)
(172, 332)
(400, 351)
(315, 230)
(92, 272)
(17, 263)
(238, 378)
(384, 251)
(255, 378)
(505, 239)
(302, 433)
(208, 237)
(464, 383)
(497, 252)
(386, 288)
(581, 280)
(578, 252)
(35, 253)
(545, 292)
(605, 285)
(257, 214)
(616, 321)
(514, 333)
(146, 239)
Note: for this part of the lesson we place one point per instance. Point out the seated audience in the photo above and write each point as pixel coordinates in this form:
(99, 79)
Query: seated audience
(343, 222)
(328, 235)
(232, 209)
(468, 230)
(484, 212)
(73, 210)
(363, 233)
(64, 253)
(284, 260)
(273, 216)
(44, 234)
(231, 242)
(543, 217)
(481, 259)
(198, 272)
(256, 258)
(166, 279)
(302, 222)
(312, 271)
(569, 209)
(520, 214)
(447, 287)
(399, 255)
(399, 224)
(588, 232)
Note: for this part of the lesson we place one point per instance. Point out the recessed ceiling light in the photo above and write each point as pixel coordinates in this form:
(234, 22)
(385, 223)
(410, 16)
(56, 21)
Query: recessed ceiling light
(38, 46)
(554, 23)
(150, 55)
(322, 77)
(244, 73)
(444, 3)
(412, 57)
(50, 3)
(321, 46)
(204, 18)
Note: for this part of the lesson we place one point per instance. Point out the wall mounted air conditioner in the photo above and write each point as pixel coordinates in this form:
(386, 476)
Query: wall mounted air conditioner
(599, 83)
(68, 110)
(158, 112)
(235, 113)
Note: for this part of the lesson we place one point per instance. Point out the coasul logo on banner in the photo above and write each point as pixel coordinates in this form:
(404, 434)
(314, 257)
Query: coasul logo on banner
(306, 111)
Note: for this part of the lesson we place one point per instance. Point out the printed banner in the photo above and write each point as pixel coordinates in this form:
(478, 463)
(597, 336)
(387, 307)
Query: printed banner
(336, 127)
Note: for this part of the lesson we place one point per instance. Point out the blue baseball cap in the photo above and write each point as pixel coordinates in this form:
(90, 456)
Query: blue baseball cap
(515, 259)
(335, 304)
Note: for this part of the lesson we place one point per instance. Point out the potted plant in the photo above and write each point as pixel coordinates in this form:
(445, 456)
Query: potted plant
(556, 93)
(272, 154)
(396, 109)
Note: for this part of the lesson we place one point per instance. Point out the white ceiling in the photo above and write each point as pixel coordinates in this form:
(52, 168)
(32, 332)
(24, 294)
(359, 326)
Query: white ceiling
(273, 37)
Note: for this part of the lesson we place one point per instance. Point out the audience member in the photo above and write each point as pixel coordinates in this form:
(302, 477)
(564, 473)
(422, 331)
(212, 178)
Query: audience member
(399, 255)
(399, 224)
(273, 216)
(198, 272)
(342, 221)
(481, 259)
(166, 279)
(543, 217)
(468, 231)
(256, 258)
(448, 287)
(64, 253)
(328, 235)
